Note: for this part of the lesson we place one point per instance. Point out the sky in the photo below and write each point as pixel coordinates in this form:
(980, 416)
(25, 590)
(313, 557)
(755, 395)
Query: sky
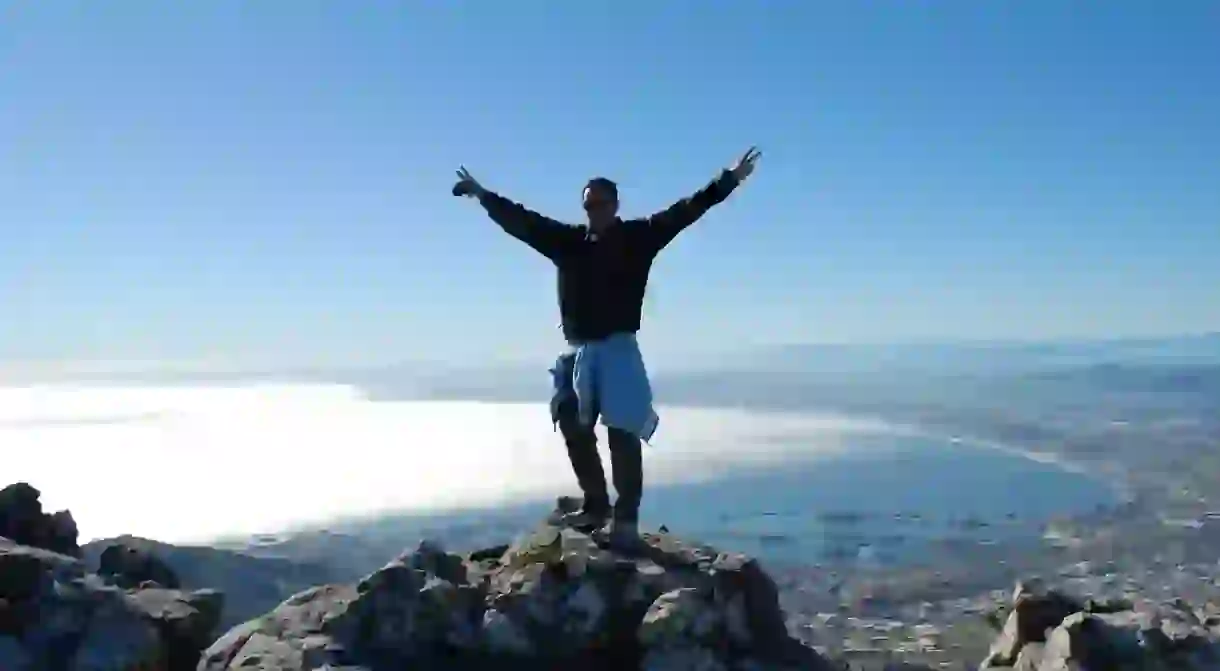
(235, 183)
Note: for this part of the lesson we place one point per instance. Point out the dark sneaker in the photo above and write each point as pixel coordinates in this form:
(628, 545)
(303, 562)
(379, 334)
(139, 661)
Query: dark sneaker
(586, 520)
(624, 536)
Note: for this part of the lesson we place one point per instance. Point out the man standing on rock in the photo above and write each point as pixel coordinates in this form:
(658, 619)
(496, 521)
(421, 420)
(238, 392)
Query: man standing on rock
(603, 272)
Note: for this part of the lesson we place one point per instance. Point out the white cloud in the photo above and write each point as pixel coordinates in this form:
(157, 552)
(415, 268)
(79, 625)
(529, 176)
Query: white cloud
(194, 463)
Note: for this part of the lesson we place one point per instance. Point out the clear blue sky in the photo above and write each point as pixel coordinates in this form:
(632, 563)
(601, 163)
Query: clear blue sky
(269, 181)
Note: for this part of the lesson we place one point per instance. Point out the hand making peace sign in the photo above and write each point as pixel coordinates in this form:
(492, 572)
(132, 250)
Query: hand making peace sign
(467, 185)
(745, 165)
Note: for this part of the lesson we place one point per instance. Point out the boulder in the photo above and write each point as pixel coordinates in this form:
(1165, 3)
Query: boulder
(129, 566)
(1116, 634)
(251, 585)
(55, 614)
(23, 521)
(555, 598)
(1035, 611)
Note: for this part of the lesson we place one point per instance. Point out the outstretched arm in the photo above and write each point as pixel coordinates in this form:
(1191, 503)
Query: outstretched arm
(547, 236)
(665, 225)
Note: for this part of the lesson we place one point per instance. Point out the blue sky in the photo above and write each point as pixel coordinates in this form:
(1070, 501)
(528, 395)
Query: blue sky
(269, 181)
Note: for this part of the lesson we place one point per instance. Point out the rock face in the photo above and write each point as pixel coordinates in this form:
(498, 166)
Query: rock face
(129, 566)
(251, 585)
(1050, 631)
(556, 598)
(55, 614)
(23, 521)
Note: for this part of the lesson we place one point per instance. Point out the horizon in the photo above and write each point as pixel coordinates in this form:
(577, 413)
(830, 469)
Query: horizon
(35, 372)
(267, 186)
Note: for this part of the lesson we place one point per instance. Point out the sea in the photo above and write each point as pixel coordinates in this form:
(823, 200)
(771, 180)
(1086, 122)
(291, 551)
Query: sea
(200, 464)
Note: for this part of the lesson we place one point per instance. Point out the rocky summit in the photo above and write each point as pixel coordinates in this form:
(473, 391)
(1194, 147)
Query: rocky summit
(555, 598)
(57, 615)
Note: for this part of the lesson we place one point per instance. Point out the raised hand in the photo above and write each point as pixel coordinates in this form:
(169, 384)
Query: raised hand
(467, 185)
(745, 165)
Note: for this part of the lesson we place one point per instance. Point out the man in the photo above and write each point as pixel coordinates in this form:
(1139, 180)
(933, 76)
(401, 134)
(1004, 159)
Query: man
(603, 271)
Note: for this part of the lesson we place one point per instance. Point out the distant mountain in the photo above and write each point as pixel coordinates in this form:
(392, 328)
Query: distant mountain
(947, 358)
(1154, 377)
(789, 376)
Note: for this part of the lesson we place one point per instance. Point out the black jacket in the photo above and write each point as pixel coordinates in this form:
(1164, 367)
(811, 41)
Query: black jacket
(602, 278)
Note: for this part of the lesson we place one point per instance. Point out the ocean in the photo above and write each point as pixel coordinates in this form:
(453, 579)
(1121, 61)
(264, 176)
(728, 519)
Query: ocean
(192, 464)
(886, 502)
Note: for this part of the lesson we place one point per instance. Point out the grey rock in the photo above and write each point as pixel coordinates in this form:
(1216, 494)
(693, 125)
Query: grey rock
(13, 655)
(131, 566)
(23, 521)
(555, 598)
(54, 614)
(252, 585)
(1120, 636)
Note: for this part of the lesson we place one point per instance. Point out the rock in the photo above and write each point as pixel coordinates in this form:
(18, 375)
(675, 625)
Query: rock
(128, 566)
(61, 533)
(23, 521)
(1115, 635)
(54, 614)
(681, 615)
(1107, 605)
(555, 598)
(1086, 640)
(682, 659)
(1031, 656)
(251, 585)
(1033, 613)
(185, 621)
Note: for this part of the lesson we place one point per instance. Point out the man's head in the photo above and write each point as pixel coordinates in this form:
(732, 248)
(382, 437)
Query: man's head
(601, 203)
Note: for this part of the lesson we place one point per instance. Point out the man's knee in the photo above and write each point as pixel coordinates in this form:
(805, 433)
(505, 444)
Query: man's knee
(622, 441)
(626, 458)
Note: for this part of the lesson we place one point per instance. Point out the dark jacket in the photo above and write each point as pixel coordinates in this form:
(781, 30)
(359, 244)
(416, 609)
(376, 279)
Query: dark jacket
(602, 278)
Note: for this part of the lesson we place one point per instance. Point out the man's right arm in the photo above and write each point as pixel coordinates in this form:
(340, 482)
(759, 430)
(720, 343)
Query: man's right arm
(547, 236)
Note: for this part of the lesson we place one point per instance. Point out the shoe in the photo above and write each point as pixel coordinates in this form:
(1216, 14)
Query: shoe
(586, 520)
(624, 536)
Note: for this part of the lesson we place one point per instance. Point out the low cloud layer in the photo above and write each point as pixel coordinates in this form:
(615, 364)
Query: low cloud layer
(184, 464)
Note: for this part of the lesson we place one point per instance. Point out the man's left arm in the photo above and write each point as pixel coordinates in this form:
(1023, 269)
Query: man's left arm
(665, 225)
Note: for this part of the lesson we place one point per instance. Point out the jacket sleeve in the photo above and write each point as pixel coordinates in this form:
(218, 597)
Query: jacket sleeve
(665, 225)
(547, 236)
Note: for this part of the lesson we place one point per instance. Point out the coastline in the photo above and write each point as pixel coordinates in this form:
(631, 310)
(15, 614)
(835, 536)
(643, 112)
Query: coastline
(1116, 483)
(878, 423)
